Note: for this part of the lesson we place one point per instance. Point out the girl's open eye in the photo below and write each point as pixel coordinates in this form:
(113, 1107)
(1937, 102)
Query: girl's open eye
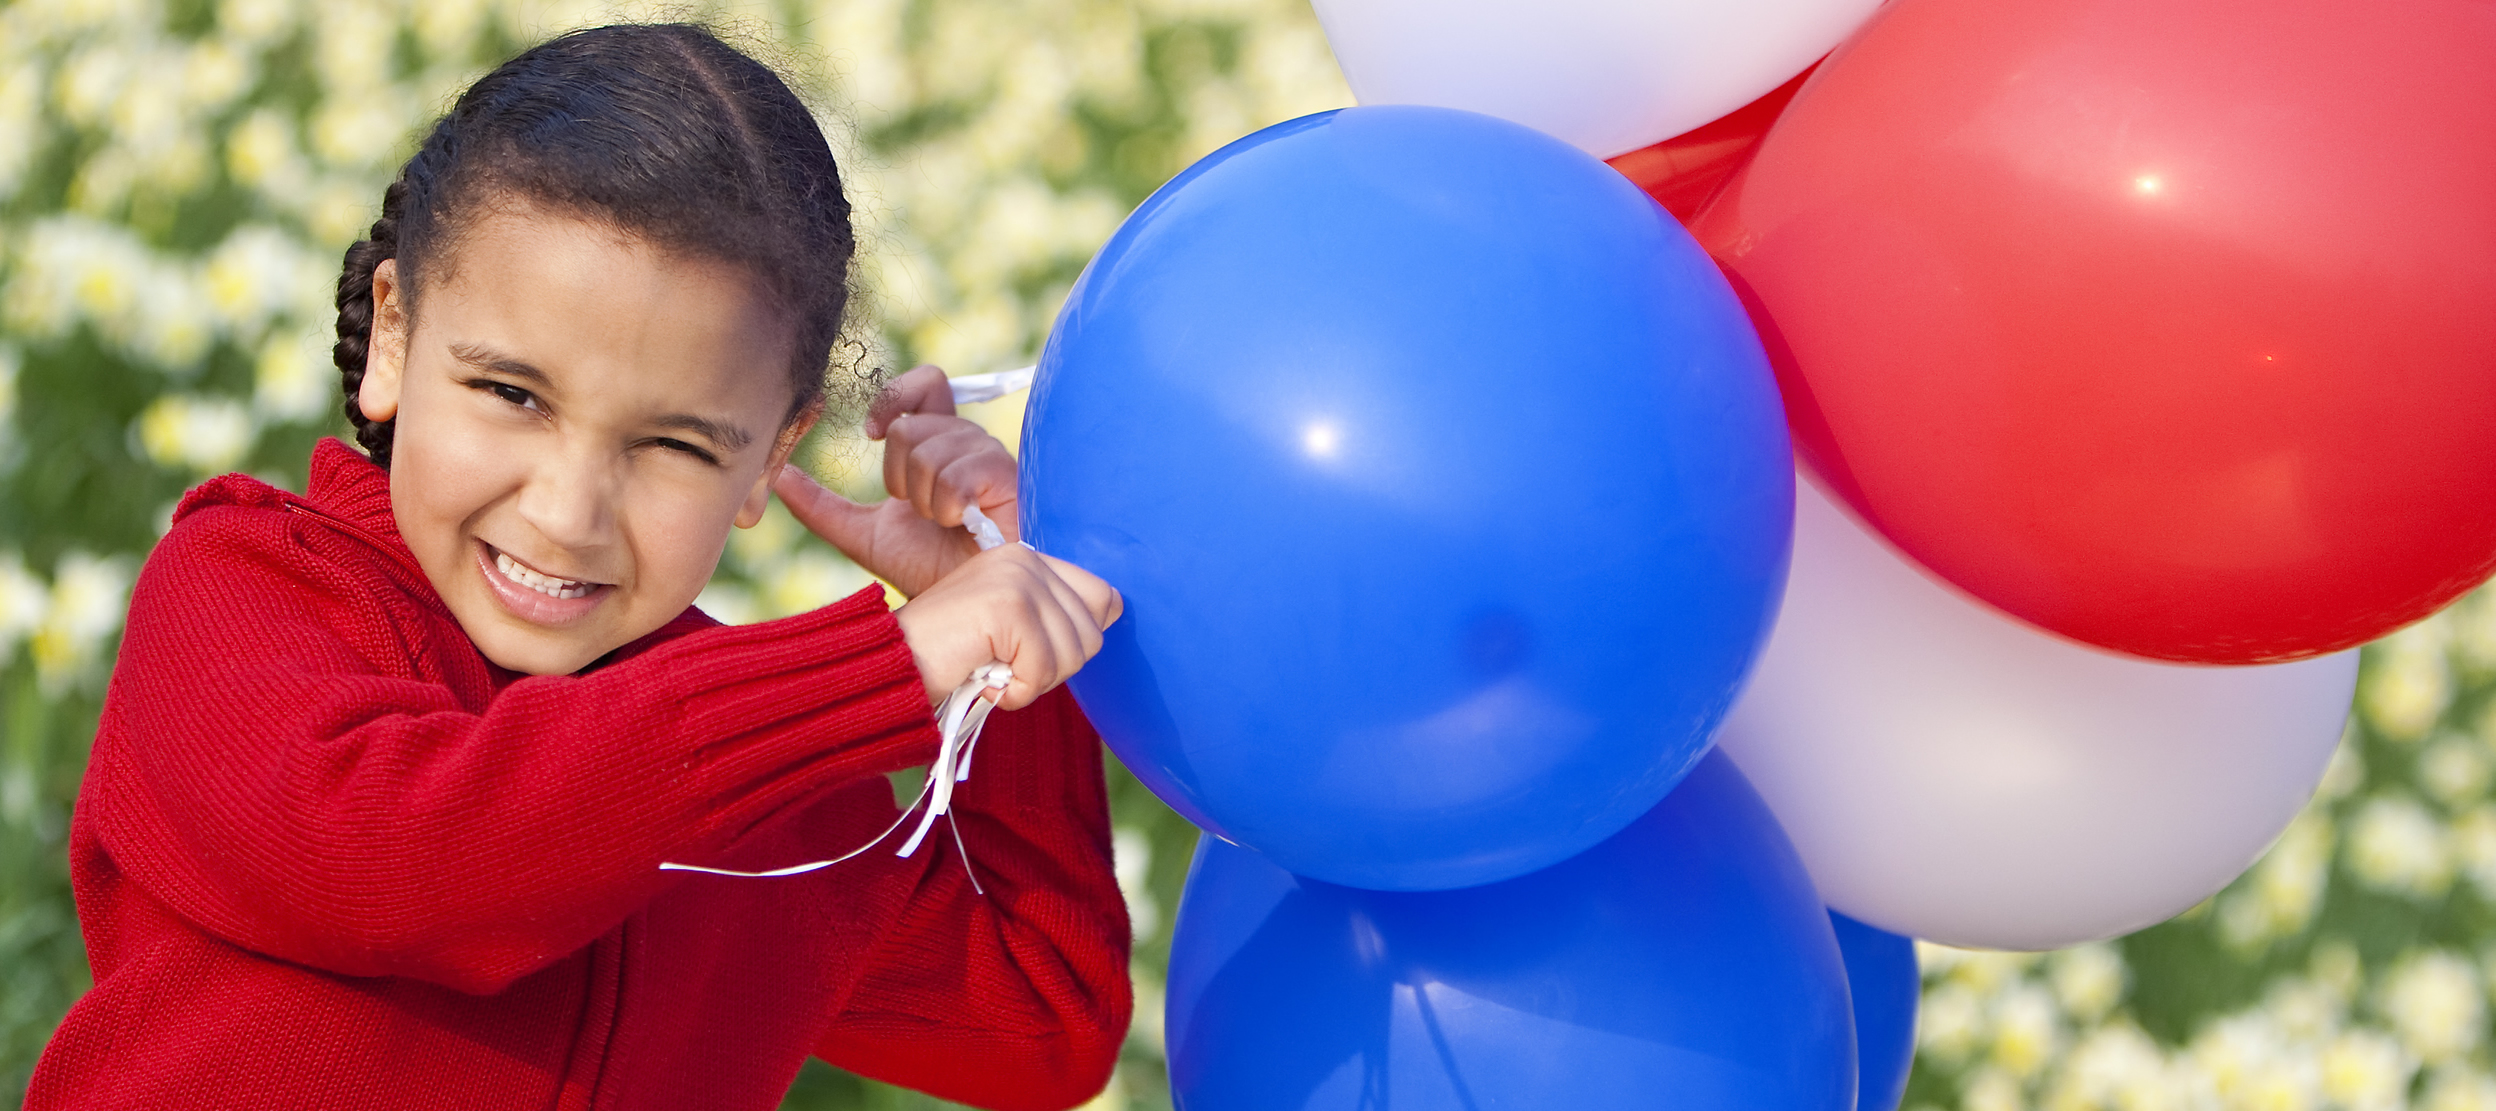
(507, 392)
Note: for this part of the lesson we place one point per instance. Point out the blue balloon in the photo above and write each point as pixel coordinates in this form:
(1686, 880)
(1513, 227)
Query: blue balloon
(1685, 963)
(1882, 977)
(1446, 483)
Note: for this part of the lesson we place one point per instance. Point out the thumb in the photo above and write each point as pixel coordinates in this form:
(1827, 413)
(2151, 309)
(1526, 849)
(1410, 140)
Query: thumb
(843, 523)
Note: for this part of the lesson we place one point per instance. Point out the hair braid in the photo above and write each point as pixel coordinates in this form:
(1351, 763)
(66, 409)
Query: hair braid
(355, 316)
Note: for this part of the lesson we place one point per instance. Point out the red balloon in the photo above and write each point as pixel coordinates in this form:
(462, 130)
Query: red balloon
(1682, 172)
(2166, 325)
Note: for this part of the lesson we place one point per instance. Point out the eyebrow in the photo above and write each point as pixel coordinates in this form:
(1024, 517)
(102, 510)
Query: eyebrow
(729, 437)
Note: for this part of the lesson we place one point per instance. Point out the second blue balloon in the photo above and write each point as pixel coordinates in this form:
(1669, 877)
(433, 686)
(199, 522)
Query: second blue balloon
(1446, 484)
(1685, 963)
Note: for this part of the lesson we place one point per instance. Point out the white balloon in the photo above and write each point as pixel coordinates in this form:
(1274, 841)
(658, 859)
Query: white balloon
(1951, 774)
(1607, 75)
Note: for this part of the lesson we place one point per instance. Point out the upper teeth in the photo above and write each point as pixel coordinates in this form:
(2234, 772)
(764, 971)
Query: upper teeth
(543, 584)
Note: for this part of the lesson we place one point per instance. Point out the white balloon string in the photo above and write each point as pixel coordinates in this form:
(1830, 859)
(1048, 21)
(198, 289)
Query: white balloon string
(981, 528)
(959, 720)
(971, 389)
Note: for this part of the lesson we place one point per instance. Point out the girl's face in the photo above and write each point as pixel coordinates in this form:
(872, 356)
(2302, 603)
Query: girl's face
(581, 416)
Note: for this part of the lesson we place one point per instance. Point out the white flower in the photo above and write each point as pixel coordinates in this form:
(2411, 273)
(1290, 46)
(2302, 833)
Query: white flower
(260, 154)
(1149, 998)
(206, 435)
(2305, 1011)
(2435, 1003)
(2028, 1030)
(2396, 845)
(171, 323)
(89, 597)
(447, 28)
(2364, 1070)
(2249, 1062)
(1131, 856)
(987, 334)
(24, 601)
(2474, 842)
(90, 82)
(2454, 769)
(72, 267)
(2089, 980)
(258, 273)
(1217, 112)
(2115, 1066)
(104, 181)
(2280, 896)
(2474, 630)
(359, 131)
(1290, 73)
(256, 22)
(213, 74)
(60, 20)
(2334, 967)
(21, 123)
(863, 52)
(2459, 1088)
(148, 114)
(294, 379)
(2408, 681)
(1950, 1022)
(1991, 1089)
(2347, 770)
(356, 39)
(339, 211)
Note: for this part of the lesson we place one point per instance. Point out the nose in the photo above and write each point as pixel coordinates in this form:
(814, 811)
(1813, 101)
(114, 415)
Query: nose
(570, 499)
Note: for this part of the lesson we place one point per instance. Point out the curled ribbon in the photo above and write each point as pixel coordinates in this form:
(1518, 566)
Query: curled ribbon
(958, 723)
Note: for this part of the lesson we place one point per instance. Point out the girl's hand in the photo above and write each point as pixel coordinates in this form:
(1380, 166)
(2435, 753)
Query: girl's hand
(1040, 615)
(935, 463)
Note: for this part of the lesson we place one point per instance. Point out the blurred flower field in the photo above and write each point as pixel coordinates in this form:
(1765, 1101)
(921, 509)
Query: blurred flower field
(179, 177)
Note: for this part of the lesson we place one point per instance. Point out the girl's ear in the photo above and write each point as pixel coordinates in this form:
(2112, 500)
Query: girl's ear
(759, 499)
(385, 352)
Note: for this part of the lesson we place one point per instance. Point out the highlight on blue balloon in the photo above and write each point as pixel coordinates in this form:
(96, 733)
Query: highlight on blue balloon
(1446, 484)
(1684, 963)
(1884, 982)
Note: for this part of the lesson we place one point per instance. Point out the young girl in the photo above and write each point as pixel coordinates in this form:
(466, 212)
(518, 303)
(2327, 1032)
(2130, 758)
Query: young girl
(388, 770)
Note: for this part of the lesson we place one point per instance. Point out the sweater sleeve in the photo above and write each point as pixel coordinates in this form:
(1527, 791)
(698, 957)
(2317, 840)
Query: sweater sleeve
(1017, 999)
(266, 778)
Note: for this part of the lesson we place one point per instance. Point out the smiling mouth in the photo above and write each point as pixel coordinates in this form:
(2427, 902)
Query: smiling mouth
(547, 585)
(535, 596)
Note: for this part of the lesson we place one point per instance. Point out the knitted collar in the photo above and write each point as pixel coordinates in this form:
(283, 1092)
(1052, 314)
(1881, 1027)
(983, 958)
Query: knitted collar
(353, 488)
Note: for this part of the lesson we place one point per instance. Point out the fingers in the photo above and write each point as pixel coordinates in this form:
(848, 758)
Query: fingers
(1099, 599)
(1043, 617)
(980, 477)
(843, 523)
(924, 389)
(939, 464)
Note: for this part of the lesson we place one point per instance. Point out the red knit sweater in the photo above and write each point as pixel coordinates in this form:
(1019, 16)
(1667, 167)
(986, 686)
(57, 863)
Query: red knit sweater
(328, 856)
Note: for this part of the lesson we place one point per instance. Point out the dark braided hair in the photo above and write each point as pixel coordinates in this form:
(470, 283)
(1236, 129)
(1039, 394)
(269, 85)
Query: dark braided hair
(661, 131)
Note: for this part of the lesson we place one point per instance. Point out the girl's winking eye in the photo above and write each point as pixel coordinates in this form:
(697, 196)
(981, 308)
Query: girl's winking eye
(688, 449)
